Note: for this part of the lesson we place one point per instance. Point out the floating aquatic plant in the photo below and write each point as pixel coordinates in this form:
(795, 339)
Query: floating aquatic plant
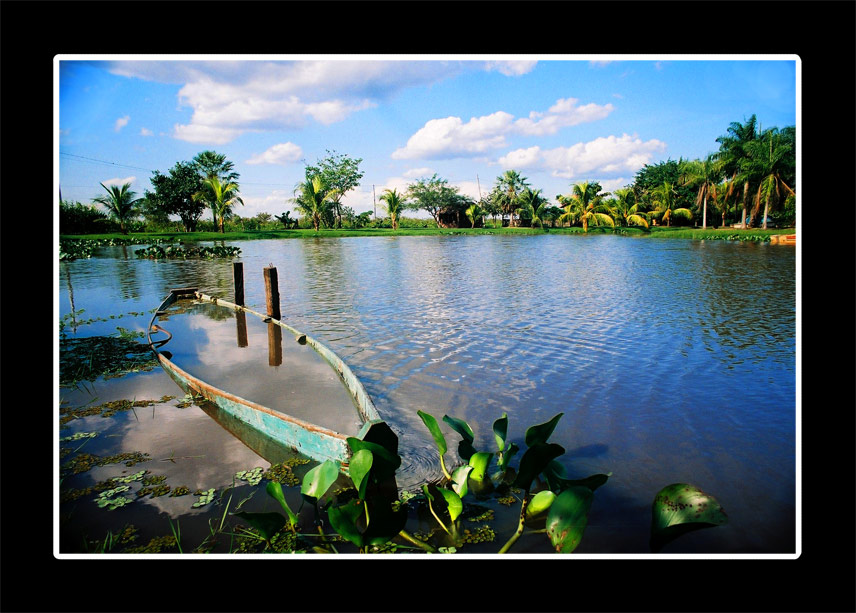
(78, 436)
(205, 496)
(253, 477)
(111, 498)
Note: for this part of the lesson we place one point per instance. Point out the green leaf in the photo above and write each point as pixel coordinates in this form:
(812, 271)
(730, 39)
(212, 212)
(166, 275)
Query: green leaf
(568, 518)
(274, 490)
(360, 465)
(461, 427)
(539, 504)
(541, 432)
(434, 428)
(384, 461)
(454, 505)
(680, 508)
(318, 480)
(506, 455)
(344, 518)
(480, 462)
(267, 524)
(466, 450)
(500, 431)
(557, 480)
(534, 461)
(459, 479)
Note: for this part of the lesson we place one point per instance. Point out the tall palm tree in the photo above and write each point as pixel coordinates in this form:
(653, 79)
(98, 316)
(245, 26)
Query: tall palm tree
(394, 205)
(705, 174)
(312, 197)
(585, 203)
(510, 185)
(720, 195)
(625, 208)
(121, 203)
(535, 205)
(770, 158)
(220, 196)
(213, 164)
(734, 155)
(666, 203)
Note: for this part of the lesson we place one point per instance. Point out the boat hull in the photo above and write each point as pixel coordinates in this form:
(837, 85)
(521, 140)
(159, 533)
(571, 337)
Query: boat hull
(310, 440)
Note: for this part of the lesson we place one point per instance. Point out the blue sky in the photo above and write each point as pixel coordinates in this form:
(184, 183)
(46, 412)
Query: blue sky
(556, 119)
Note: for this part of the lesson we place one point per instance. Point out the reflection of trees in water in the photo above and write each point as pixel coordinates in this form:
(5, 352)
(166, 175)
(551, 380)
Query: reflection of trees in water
(208, 276)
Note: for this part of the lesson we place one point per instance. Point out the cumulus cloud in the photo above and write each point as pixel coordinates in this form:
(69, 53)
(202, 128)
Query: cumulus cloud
(282, 153)
(512, 68)
(229, 98)
(121, 122)
(423, 171)
(608, 155)
(450, 137)
(146, 132)
(118, 181)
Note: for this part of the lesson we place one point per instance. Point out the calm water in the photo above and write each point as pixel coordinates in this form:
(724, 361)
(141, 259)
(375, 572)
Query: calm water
(672, 361)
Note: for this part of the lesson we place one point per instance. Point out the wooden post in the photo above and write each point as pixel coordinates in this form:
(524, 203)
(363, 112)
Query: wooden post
(272, 292)
(274, 344)
(238, 274)
(241, 319)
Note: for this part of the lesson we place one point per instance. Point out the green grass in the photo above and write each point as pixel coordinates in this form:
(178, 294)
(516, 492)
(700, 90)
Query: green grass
(657, 232)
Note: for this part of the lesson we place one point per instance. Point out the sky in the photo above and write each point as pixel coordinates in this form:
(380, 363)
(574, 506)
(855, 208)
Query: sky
(557, 120)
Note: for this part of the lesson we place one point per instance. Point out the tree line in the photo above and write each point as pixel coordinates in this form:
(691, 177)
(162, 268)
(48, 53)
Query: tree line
(750, 178)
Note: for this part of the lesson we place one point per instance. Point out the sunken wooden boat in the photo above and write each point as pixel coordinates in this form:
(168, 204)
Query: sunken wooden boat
(310, 440)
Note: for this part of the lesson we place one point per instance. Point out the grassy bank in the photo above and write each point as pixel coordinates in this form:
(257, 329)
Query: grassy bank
(683, 233)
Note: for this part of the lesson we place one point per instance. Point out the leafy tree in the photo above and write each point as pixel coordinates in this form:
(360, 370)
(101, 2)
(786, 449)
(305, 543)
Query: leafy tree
(770, 157)
(703, 174)
(313, 197)
(287, 220)
(585, 204)
(474, 212)
(735, 156)
(624, 208)
(121, 204)
(394, 205)
(220, 197)
(509, 186)
(490, 207)
(77, 218)
(533, 206)
(363, 219)
(436, 197)
(173, 194)
(651, 177)
(340, 173)
(666, 203)
(212, 164)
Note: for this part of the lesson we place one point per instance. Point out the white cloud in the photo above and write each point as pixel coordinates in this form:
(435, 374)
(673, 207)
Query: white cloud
(282, 153)
(146, 132)
(599, 63)
(118, 181)
(229, 98)
(563, 114)
(512, 68)
(418, 173)
(451, 137)
(121, 122)
(609, 155)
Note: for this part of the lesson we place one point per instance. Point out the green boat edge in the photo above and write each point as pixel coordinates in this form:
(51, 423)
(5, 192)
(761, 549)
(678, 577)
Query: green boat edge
(309, 440)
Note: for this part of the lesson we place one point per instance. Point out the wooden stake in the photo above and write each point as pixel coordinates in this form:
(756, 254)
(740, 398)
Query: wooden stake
(238, 274)
(272, 292)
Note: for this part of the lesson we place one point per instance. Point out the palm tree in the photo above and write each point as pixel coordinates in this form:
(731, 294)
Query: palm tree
(719, 195)
(221, 196)
(734, 155)
(509, 186)
(120, 202)
(665, 201)
(213, 164)
(770, 158)
(312, 197)
(535, 206)
(625, 208)
(394, 205)
(585, 204)
(473, 212)
(704, 174)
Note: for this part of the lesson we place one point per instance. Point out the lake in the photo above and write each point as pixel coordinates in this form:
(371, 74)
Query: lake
(671, 361)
